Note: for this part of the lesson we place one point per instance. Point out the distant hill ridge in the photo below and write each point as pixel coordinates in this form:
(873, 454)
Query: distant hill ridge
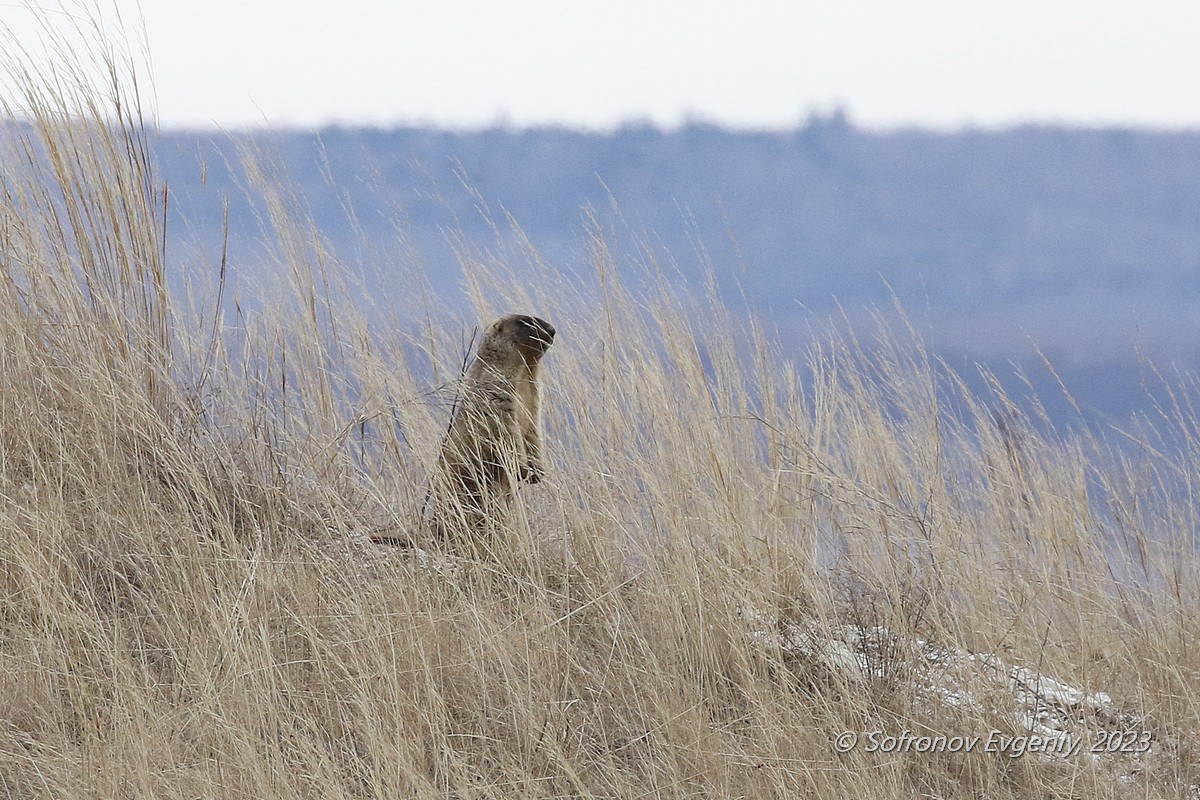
(1085, 243)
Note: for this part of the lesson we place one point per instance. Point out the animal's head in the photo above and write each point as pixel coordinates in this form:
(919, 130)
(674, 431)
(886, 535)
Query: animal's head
(532, 336)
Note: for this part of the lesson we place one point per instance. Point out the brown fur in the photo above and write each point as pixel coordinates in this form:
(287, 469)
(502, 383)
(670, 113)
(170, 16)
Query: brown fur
(495, 438)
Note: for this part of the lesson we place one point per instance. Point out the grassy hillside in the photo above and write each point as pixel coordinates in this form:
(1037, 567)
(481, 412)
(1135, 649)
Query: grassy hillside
(726, 568)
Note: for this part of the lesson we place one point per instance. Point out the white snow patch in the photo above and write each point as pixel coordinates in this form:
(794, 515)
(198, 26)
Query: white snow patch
(977, 683)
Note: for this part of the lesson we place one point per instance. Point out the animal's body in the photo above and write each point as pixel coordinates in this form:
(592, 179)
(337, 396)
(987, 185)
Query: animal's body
(495, 437)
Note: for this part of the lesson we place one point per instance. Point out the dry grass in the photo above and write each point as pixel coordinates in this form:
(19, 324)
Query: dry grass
(189, 609)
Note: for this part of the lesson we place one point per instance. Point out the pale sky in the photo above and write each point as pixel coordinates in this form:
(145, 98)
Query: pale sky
(940, 63)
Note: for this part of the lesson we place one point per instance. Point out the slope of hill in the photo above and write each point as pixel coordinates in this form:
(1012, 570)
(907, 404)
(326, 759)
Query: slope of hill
(743, 575)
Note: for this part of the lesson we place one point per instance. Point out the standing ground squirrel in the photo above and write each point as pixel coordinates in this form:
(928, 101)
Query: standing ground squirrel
(495, 437)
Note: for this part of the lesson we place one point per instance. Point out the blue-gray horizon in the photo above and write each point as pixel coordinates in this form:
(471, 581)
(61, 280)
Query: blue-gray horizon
(758, 66)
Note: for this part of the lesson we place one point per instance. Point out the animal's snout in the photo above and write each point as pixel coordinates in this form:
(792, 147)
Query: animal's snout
(545, 329)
